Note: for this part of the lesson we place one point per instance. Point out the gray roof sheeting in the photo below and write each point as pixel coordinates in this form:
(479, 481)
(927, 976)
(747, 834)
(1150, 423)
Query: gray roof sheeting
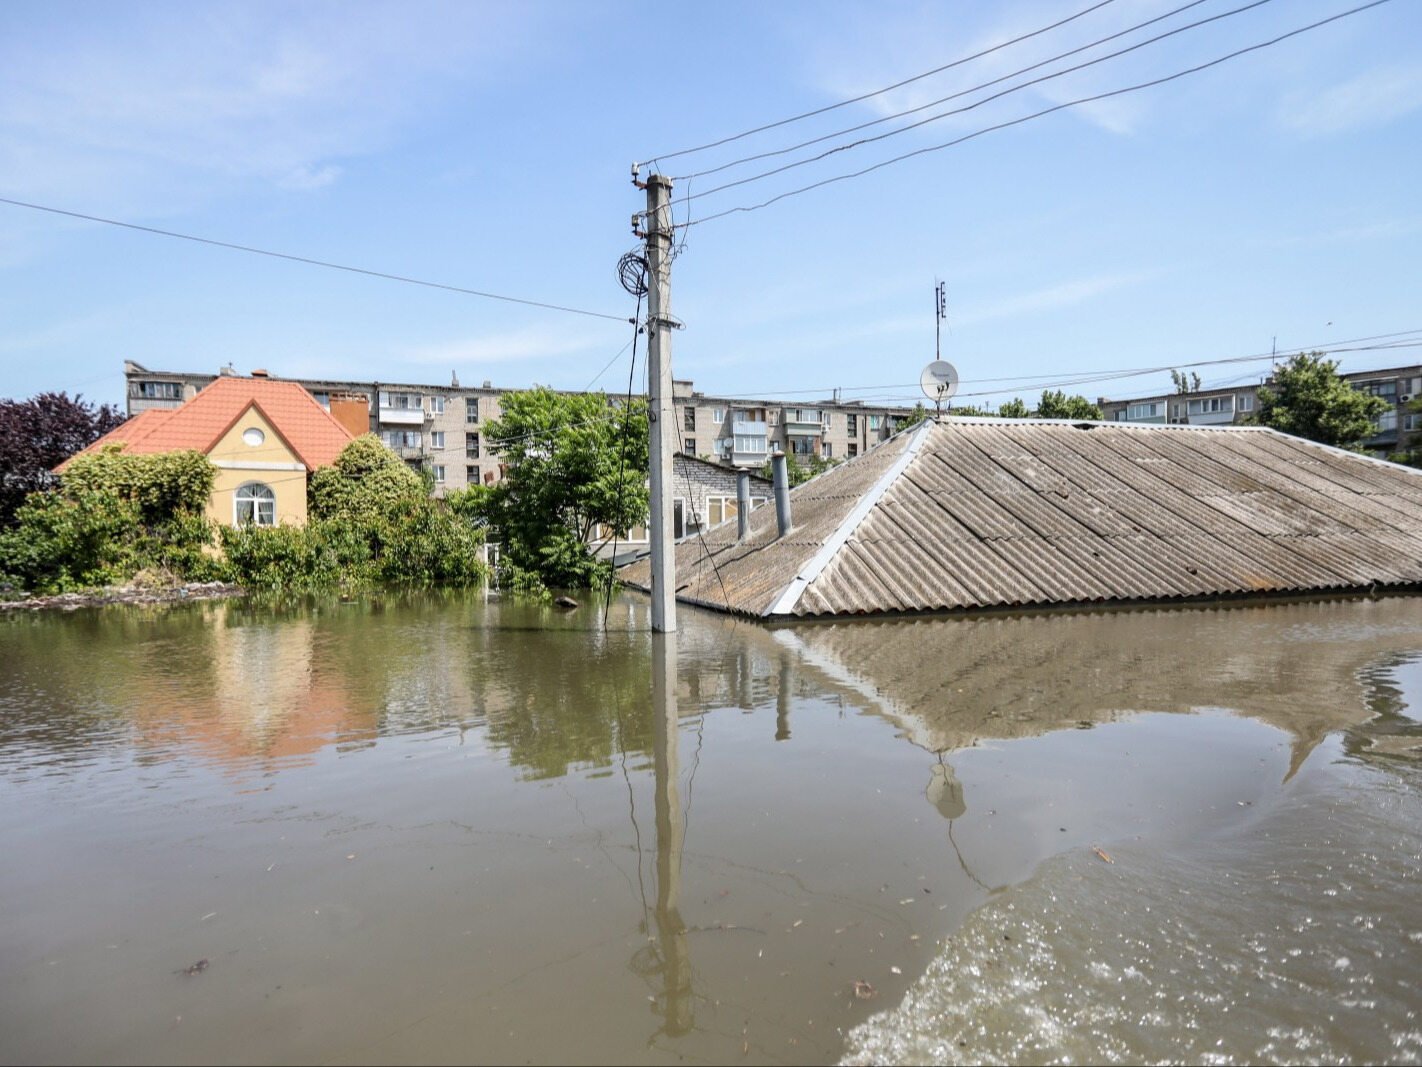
(983, 513)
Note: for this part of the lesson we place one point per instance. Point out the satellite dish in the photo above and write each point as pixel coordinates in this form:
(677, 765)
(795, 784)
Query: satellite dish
(939, 380)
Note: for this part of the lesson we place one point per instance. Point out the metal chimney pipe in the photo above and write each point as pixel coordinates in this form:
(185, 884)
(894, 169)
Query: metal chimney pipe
(743, 504)
(781, 478)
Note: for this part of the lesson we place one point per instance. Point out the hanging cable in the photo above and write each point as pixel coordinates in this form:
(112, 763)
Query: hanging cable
(1034, 115)
(977, 88)
(887, 89)
(313, 262)
(632, 271)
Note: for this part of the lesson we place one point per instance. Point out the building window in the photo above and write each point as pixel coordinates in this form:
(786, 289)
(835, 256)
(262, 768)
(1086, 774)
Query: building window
(853, 448)
(402, 438)
(436, 405)
(1246, 401)
(471, 444)
(471, 409)
(801, 446)
(873, 422)
(253, 437)
(688, 418)
(1386, 422)
(719, 509)
(853, 424)
(688, 447)
(324, 399)
(400, 401)
(254, 504)
(471, 475)
(1412, 422)
(436, 438)
(439, 473)
(718, 415)
(160, 390)
(1155, 409)
(826, 450)
(750, 443)
(1378, 387)
(1209, 405)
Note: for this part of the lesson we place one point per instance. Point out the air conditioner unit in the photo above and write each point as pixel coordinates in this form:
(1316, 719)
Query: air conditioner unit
(1404, 399)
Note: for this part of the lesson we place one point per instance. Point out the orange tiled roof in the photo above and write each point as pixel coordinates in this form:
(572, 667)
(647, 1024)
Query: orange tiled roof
(315, 437)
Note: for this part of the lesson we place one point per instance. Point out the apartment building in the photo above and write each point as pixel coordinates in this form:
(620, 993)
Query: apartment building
(1217, 407)
(442, 426)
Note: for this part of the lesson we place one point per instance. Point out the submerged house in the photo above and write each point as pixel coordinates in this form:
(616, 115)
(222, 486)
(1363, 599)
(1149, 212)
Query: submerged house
(974, 513)
(264, 437)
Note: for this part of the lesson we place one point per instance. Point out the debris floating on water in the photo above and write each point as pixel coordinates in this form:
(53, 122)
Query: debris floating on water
(1101, 853)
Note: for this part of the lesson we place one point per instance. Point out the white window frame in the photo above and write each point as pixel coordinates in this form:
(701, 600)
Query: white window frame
(439, 473)
(436, 438)
(1212, 405)
(251, 493)
(436, 405)
(1245, 402)
(1153, 409)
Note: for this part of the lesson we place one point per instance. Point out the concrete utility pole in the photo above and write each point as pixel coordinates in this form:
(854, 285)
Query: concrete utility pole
(659, 401)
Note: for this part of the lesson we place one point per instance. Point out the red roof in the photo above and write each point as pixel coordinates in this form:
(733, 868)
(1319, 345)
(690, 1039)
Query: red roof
(307, 427)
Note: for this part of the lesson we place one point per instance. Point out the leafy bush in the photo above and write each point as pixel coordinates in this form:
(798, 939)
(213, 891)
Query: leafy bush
(162, 484)
(60, 542)
(366, 479)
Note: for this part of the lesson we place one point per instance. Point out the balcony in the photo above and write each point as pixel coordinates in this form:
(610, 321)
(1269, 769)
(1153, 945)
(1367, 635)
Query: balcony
(411, 451)
(803, 423)
(402, 416)
(748, 427)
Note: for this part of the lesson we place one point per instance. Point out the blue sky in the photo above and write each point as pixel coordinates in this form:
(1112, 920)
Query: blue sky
(488, 146)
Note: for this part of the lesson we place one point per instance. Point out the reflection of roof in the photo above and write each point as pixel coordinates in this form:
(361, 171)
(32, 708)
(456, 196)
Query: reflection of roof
(977, 513)
(952, 682)
(310, 431)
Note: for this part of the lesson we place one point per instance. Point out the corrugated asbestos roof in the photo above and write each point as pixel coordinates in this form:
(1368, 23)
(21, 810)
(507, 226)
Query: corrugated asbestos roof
(985, 513)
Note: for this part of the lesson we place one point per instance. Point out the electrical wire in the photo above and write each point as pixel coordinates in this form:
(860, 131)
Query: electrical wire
(622, 444)
(1035, 115)
(879, 92)
(314, 262)
(979, 88)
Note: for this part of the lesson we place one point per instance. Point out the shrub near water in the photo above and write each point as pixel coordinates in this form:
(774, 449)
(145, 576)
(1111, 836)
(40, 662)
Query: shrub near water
(371, 522)
(113, 515)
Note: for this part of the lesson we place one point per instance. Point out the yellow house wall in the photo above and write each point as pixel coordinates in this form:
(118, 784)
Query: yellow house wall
(261, 463)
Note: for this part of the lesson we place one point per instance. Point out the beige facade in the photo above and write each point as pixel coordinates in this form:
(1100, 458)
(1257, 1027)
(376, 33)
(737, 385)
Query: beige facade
(258, 475)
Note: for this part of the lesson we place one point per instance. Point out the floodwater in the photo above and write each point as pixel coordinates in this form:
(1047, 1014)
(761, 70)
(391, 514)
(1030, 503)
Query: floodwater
(431, 829)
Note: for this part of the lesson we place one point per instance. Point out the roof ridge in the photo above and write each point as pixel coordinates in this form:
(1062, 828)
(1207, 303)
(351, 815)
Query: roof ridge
(785, 602)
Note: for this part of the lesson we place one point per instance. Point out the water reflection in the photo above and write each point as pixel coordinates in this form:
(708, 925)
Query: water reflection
(952, 683)
(674, 1003)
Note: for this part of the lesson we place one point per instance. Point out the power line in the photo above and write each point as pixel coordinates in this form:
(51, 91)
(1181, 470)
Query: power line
(1034, 115)
(1401, 339)
(973, 89)
(313, 262)
(886, 89)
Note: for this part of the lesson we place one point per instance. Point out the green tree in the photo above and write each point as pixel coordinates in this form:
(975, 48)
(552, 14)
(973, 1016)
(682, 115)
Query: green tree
(364, 482)
(1057, 405)
(1013, 409)
(1410, 450)
(1185, 383)
(573, 461)
(914, 417)
(1306, 398)
(799, 472)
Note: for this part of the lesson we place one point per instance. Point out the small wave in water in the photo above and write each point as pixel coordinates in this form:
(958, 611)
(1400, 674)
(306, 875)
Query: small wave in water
(1295, 939)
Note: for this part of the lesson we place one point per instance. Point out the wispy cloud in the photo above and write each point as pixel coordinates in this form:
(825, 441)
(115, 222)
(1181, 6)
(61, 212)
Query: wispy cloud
(132, 105)
(1373, 98)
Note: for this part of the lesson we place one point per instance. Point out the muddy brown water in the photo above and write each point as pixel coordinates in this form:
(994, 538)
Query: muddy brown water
(431, 829)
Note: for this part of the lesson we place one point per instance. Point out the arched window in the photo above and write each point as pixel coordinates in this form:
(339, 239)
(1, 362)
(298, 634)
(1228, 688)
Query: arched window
(255, 505)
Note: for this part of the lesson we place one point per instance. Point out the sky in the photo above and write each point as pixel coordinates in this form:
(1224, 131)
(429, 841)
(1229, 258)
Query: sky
(1272, 200)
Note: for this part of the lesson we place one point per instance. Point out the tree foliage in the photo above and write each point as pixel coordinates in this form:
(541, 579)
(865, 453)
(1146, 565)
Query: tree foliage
(113, 515)
(37, 435)
(799, 469)
(572, 462)
(366, 479)
(1185, 383)
(1054, 404)
(1306, 398)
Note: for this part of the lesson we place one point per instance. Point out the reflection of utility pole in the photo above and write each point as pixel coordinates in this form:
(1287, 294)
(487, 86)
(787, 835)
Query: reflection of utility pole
(782, 699)
(675, 1003)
